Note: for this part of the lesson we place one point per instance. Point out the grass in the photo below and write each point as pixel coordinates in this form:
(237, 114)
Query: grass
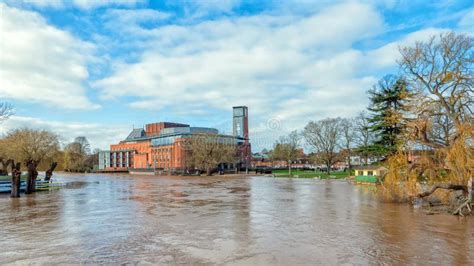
(9, 178)
(310, 174)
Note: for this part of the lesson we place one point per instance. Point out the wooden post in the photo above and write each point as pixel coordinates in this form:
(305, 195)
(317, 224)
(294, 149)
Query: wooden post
(16, 180)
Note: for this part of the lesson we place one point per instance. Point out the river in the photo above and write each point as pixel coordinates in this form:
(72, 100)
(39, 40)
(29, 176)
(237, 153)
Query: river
(219, 220)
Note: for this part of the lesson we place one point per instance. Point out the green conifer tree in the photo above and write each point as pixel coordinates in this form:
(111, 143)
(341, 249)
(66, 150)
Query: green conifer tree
(388, 104)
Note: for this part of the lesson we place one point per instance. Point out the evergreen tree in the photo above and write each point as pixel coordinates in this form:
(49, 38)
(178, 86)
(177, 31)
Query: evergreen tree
(388, 103)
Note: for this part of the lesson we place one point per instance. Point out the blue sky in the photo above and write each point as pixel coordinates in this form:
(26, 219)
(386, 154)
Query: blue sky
(98, 68)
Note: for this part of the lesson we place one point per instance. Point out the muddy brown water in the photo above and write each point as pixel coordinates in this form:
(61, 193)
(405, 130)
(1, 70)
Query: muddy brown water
(217, 220)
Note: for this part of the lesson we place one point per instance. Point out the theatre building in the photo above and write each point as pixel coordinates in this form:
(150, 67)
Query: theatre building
(160, 146)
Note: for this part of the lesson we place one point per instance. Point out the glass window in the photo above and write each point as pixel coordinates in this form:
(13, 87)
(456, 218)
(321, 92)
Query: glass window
(238, 112)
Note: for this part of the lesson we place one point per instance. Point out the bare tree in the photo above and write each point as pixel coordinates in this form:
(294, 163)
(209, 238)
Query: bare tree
(6, 110)
(442, 127)
(31, 147)
(442, 71)
(77, 156)
(74, 158)
(363, 135)
(84, 144)
(286, 148)
(323, 136)
(347, 138)
(207, 151)
(26, 144)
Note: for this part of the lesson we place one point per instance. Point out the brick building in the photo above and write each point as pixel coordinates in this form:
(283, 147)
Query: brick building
(160, 146)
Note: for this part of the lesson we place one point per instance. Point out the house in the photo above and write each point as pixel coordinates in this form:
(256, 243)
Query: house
(369, 173)
(370, 170)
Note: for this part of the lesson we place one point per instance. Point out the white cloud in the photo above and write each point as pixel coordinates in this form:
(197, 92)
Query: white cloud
(91, 4)
(386, 56)
(99, 135)
(259, 61)
(40, 3)
(134, 16)
(81, 4)
(467, 21)
(195, 9)
(41, 63)
(285, 68)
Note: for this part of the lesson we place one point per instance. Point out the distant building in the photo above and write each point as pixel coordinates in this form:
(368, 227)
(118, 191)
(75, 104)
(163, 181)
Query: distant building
(361, 160)
(161, 146)
(263, 160)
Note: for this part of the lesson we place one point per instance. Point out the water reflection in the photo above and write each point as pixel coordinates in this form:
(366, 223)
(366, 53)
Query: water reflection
(109, 219)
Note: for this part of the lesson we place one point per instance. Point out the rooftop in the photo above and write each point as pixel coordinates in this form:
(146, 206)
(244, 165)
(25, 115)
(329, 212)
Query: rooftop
(136, 133)
(370, 167)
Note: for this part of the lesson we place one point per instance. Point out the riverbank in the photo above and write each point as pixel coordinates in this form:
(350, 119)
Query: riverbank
(310, 174)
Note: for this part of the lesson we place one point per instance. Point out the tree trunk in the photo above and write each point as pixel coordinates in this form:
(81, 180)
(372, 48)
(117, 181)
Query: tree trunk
(16, 180)
(5, 165)
(470, 185)
(443, 186)
(349, 161)
(289, 169)
(32, 175)
(208, 171)
(49, 172)
(467, 191)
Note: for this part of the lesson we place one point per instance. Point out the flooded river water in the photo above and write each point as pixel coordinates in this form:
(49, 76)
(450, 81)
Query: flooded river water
(218, 220)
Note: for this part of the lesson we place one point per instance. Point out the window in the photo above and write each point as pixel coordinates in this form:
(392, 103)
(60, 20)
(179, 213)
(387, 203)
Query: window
(370, 173)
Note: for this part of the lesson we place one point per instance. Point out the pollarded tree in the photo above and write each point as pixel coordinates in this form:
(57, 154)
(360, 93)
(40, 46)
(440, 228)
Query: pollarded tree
(30, 146)
(389, 100)
(26, 144)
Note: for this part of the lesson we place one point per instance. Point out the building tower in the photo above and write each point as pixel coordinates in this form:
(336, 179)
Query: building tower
(241, 130)
(241, 122)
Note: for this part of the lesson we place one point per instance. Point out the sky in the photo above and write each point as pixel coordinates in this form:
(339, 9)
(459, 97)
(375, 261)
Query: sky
(98, 68)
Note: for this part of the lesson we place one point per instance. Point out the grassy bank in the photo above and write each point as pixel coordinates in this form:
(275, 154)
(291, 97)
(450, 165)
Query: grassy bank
(9, 178)
(310, 174)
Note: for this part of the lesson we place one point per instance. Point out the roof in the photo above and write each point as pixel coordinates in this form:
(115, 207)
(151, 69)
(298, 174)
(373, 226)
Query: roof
(370, 167)
(260, 156)
(136, 133)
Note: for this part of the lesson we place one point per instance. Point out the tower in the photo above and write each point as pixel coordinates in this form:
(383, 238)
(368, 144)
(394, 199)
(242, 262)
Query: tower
(241, 122)
(241, 130)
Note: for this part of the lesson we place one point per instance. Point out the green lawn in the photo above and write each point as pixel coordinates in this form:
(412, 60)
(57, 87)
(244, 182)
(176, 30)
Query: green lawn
(310, 174)
(9, 178)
